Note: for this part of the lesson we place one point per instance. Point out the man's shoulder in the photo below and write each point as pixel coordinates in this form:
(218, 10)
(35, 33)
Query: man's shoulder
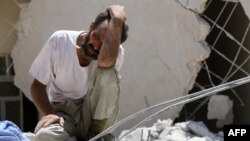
(122, 50)
(61, 33)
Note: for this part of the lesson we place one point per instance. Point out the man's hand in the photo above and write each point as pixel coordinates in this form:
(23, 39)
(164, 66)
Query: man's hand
(41, 100)
(47, 120)
(117, 11)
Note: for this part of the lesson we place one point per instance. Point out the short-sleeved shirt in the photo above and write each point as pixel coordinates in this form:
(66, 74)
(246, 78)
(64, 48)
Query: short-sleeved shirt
(57, 66)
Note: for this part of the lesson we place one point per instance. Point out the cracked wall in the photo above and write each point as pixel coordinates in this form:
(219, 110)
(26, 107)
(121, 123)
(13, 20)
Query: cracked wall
(164, 49)
(11, 107)
(229, 40)
(9, 15)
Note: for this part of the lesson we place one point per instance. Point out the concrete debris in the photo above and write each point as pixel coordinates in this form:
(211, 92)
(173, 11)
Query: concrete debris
(200, 129)
(220, 107)
(195, 5)
(184, 131)
(228, 120)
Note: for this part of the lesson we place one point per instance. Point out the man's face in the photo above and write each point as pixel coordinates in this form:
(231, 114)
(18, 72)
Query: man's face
(93, 41)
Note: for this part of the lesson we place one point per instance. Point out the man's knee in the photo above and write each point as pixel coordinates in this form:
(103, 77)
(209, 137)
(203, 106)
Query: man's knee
(107, 82)
(107, 76)
(53, 133)
(105, 94)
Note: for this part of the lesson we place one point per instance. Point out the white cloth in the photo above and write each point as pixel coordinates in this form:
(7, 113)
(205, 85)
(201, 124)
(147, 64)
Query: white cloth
(57, 66)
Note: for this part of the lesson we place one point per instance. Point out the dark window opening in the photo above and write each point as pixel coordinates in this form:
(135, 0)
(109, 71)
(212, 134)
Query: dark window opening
(229, 60)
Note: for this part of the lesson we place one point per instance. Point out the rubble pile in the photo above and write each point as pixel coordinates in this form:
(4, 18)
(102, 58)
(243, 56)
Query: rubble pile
(165, 130)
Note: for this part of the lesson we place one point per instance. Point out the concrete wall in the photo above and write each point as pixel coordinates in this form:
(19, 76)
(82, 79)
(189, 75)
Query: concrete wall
(11, 107)
(9, 15)
(163, 52)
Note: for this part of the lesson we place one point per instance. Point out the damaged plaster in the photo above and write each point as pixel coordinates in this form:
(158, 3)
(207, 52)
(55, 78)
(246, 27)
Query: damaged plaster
(195, 5)
(163, 53)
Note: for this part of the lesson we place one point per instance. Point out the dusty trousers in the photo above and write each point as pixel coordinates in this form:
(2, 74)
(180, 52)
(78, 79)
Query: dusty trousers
(100, 102)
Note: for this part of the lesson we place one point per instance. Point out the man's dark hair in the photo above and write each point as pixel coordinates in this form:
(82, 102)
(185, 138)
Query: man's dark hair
(105, 16)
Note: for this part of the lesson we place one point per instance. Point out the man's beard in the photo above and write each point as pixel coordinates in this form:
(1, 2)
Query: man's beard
(85, 46)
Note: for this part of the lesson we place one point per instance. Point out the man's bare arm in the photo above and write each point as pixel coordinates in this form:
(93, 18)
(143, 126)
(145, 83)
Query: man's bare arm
(41, 101)
(110, 47)
(40, 98)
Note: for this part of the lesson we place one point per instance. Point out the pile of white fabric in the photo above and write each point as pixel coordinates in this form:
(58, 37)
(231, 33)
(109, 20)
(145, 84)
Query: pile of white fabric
(164, 130)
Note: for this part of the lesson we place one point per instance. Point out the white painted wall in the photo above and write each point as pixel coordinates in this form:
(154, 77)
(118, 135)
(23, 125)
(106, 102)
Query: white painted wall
(163, 51)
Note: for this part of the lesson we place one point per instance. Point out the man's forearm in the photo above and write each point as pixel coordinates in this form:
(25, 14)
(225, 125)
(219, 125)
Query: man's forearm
(110, 47)
(40, 98)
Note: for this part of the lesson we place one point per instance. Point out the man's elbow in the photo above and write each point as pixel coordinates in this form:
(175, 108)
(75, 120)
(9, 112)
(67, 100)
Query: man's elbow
(108, 63)
(36, 86)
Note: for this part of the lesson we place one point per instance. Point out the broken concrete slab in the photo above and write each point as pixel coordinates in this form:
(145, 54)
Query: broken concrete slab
(219, 107)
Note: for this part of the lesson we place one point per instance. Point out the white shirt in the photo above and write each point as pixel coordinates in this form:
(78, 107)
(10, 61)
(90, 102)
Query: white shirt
(57, 66)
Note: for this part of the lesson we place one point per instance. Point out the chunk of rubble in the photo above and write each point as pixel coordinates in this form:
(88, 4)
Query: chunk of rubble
(220, 107)
(183, 131)
(200, 129)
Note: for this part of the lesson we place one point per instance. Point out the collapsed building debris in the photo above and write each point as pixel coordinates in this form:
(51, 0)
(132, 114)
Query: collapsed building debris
(163, 107)
(165, 130)
(220, 108)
